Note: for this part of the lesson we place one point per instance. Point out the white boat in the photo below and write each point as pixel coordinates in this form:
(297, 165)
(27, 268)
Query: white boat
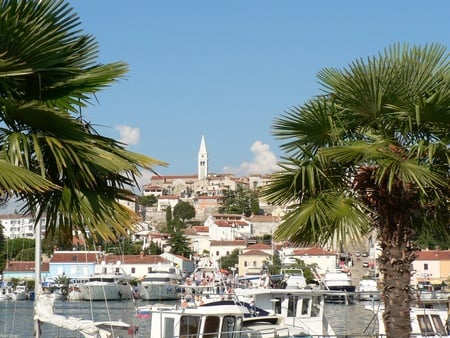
(161, 283)
(107, 286)
(293, 279)
(368, 290)
(6, 291)
(20, 293)
(211, 321)
(302, 310)
(430, 321)
(339, 281)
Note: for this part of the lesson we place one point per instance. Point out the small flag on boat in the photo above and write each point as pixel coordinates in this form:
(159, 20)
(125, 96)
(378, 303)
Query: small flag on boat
(143, 313)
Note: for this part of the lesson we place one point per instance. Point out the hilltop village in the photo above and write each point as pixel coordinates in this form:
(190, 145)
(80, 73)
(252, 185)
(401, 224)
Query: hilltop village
(212, 236)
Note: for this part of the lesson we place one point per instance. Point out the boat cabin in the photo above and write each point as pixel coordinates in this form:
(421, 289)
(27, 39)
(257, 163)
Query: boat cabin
(196, 322)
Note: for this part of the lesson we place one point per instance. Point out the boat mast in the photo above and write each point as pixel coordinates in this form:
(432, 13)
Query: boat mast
(37, 274)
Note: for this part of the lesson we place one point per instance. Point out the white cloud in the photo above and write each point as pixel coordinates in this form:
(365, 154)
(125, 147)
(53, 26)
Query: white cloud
(128, 135)
(264, 161)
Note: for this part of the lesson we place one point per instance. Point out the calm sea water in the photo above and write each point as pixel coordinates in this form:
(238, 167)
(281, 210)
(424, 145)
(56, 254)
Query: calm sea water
(16, 317)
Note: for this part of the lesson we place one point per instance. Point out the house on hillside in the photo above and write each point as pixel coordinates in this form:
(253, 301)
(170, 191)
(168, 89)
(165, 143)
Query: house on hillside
(224, 248)
(431, 265)
(323, 258)
(264, 224)
(228, 227)
(253, 260)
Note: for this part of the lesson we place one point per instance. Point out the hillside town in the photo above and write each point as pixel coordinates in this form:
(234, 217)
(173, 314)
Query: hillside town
(211, 236)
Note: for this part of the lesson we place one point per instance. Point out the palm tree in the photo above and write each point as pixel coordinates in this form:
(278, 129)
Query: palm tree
(50, 158)
(371, 153)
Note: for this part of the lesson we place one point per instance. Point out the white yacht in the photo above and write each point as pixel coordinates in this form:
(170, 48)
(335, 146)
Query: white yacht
(161, 283)
(108, 285)
(340, 285)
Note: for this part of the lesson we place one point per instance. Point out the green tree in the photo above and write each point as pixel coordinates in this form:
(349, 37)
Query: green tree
(183, 210)
(154, 249)
(168, 214)
(371, 153)
(147, 201)
(231, 260)
(236, 201)
(51, 159)
(179, 244)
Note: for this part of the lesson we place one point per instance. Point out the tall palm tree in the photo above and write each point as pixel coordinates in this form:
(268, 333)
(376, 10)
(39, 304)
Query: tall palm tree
(50, 158)
(371, 153)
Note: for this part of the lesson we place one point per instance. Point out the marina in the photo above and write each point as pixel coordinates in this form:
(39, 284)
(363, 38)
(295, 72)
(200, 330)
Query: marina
(14, 322)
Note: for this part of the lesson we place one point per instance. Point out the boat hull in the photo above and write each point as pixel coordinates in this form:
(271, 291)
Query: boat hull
(152, 291)
(108, 292)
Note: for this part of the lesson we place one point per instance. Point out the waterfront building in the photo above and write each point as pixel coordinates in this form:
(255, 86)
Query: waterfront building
(19, 226)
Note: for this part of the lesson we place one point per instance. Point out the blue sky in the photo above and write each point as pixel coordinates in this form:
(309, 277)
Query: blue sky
(226, 69)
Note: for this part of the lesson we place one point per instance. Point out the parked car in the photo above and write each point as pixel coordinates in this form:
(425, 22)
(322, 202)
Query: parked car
(365, 254)
(365, 264)
(358, 253)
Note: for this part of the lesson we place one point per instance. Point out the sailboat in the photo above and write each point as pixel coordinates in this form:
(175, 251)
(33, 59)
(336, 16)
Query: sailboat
(44, 310)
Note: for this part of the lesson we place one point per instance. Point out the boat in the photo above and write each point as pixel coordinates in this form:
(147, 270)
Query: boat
(336, 279)
(20, 293)
(293, 279)
(109, 284)
(302, 310)
(429, 319)
(225, 320)
(161, 283)
(368, 290)
(6, 290)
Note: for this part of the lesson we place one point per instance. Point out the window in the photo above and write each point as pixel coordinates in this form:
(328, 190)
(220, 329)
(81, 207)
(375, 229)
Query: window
(217, 253)
(254, 264)
(439, 325)
(189, 326)
(133, 270)
(245, 263)
(425, 325)
(169, 324)
(211, 329)
(425, 266)
(228, 326)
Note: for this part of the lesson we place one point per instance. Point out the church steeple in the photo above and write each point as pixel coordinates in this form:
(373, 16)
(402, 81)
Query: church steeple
(202, 160)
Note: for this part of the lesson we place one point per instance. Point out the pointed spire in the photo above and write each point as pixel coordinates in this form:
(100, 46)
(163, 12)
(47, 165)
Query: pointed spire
(202, 160)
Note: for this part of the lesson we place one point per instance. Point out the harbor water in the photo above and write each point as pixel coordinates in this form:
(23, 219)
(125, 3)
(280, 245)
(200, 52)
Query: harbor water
(16, 317)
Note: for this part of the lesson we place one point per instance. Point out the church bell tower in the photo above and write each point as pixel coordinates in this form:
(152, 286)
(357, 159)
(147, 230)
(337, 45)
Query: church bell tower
(202, 160)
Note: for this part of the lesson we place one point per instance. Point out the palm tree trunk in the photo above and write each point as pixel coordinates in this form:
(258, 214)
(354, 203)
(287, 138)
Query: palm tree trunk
(395, 263)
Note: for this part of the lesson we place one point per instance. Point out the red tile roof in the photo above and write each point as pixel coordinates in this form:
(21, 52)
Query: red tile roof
(254, 253)
(73, 257)
(228, 243)
(433, 255)
(134, 259)
(260, 246)
(24, 266)
(313, 252)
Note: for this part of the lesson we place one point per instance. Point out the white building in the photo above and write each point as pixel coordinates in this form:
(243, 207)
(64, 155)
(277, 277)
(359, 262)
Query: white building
(19, 226)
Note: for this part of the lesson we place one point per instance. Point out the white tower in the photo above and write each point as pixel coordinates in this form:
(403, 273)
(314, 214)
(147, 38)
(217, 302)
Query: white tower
(202, 160)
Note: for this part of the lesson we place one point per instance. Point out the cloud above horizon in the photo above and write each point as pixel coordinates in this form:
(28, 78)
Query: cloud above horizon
(128, 135)
(264, 161)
